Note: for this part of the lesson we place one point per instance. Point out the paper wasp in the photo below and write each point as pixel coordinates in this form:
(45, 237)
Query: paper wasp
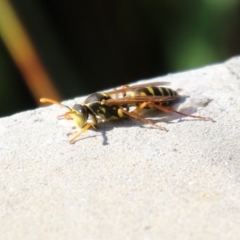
(102, 105)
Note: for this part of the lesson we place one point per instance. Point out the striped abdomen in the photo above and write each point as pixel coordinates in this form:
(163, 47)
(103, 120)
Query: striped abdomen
(161, 92)
(153, 91)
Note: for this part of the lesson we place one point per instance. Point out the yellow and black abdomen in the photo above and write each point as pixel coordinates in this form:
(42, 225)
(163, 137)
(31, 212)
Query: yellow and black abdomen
(167, 95)
(153, 91)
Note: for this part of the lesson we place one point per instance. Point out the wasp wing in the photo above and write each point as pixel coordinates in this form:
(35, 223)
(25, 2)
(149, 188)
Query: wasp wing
(126, 88)
(140, 99)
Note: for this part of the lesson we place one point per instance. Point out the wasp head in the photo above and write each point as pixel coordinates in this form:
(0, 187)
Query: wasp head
(78, 112)
(79, 115)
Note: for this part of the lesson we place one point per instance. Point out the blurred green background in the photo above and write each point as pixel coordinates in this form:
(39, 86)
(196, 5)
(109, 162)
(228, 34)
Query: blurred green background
(88, 46)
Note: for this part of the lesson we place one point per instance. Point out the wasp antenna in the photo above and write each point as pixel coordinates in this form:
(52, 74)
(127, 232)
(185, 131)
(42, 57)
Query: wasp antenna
(49, 100)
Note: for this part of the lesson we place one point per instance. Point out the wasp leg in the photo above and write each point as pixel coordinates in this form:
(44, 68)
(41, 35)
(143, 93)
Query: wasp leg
(86, 127)
(135, 115)
(65, 115)
(167, 109)
(140, 107)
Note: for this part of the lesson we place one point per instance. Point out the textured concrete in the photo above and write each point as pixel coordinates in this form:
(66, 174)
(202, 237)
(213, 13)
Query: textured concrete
(128, 180)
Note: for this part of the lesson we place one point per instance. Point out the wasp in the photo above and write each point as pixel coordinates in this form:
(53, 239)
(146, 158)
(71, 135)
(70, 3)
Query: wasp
(102, 105)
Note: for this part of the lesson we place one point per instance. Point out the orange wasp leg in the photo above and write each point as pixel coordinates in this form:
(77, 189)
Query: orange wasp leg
(167, 109)
(140, 107)
(86, 127)
(135, 115)
(66, 116)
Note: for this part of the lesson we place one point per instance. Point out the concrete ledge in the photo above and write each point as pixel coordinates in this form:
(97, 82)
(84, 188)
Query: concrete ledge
(128, 180)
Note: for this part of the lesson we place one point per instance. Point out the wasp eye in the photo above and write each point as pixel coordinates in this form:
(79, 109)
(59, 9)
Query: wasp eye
(80, 109)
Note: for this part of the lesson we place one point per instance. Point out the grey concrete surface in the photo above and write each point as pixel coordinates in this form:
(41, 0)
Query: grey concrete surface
(128, 180)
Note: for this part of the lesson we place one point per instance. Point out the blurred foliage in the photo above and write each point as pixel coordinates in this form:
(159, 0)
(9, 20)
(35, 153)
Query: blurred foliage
(13, 93)
(88, 46)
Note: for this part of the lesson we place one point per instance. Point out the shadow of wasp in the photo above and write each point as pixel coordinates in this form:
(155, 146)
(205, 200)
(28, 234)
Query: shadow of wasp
(103, 106)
